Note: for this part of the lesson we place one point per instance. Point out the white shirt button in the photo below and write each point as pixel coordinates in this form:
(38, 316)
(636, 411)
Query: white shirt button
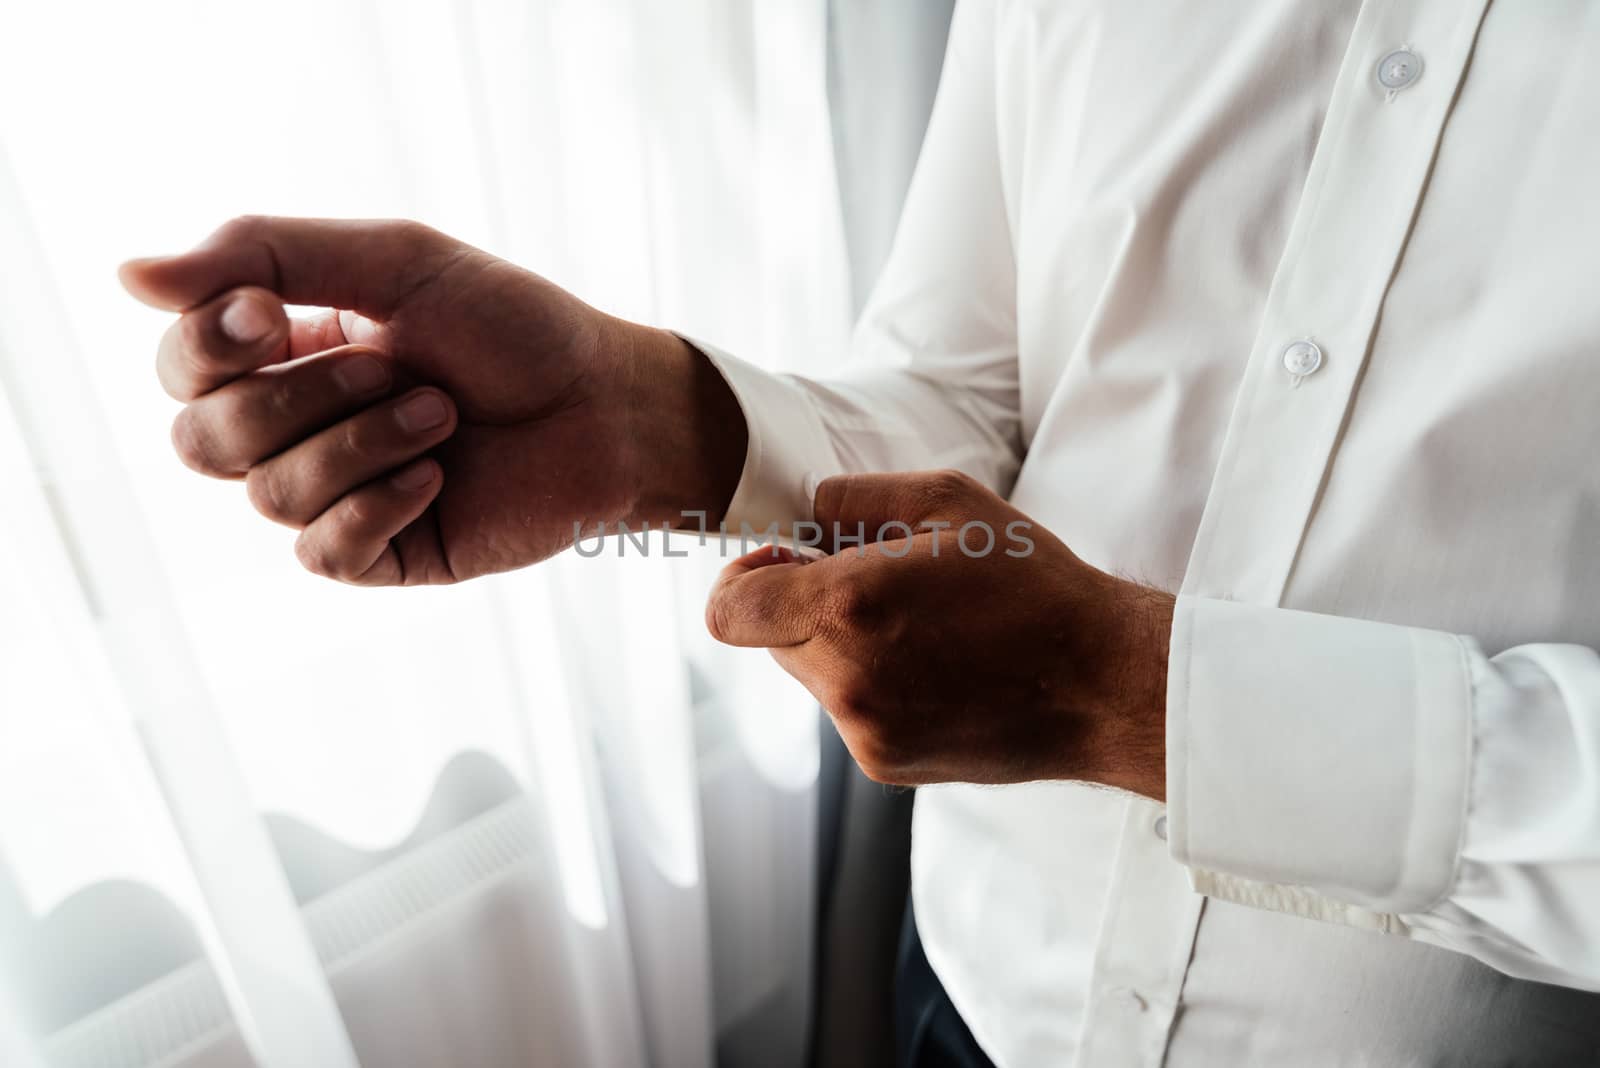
(1399, 69)
(1301, 358)
(1161, 827)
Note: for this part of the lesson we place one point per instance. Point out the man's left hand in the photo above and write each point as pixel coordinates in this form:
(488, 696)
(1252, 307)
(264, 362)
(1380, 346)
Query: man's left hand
(958, 641)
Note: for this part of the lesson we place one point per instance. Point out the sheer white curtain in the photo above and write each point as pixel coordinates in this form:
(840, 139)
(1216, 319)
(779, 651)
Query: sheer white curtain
(249, 817)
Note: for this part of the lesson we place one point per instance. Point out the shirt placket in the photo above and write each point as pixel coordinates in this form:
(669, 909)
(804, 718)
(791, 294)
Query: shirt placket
(1390, 103)
(1143, 950)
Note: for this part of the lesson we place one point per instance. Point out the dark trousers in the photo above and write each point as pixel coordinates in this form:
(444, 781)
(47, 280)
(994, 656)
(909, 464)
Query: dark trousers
(928, 1032)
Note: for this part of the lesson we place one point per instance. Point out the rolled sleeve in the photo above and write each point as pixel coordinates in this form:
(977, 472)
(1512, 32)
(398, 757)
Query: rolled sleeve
(1316, 751)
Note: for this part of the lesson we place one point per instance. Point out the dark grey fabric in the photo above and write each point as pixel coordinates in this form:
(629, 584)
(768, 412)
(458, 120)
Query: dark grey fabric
(859, 917)
(928, 1031)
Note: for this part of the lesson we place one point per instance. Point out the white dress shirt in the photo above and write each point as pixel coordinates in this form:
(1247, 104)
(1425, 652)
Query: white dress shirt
(1293, 307)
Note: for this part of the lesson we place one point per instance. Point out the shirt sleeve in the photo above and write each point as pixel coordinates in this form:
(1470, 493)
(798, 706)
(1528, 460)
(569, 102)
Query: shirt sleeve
(1391, 777)
(936, 383)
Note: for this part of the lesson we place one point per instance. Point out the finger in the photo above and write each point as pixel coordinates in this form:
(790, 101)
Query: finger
(324, 330)
(368, 266)
(236, 333)
(884, 507)
(297, 485)
(241, 330)
(350, 541)
(314, 333)
(764, 598)
(230, 430)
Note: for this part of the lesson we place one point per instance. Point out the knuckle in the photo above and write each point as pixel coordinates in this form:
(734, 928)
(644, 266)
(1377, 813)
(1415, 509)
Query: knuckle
(314, 558)
(195, 445)
(719, 614)
(356, 511)
(267, 495)
(852, 605)
(851, 700)
(950, 486)
(829, 495)
(358, 438)
(230, 409)
(430, 256)
(287, 397)
(238, 228)
(418, 236)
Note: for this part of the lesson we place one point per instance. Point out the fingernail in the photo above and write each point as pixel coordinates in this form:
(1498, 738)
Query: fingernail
(414, 477)
(360, 374)
(422, 412)
(245, 321)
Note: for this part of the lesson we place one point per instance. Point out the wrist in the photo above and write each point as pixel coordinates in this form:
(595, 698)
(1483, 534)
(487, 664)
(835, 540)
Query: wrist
(685, 434)
(1133, 689)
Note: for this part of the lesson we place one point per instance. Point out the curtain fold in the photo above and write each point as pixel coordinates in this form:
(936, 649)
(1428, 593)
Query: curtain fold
(251, 818)
(126, 625)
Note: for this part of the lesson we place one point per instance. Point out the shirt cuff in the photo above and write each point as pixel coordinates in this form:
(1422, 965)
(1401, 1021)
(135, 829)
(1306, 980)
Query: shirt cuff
(1317, 751)
(789, 449)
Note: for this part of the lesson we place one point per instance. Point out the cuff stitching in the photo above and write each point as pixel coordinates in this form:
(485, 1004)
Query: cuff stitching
(1464, 661)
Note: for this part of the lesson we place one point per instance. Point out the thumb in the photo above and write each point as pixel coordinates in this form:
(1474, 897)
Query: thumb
(882, 507)
(364, 266)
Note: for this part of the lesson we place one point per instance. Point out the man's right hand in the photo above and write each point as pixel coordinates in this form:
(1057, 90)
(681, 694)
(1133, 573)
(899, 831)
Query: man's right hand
(454, 415)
